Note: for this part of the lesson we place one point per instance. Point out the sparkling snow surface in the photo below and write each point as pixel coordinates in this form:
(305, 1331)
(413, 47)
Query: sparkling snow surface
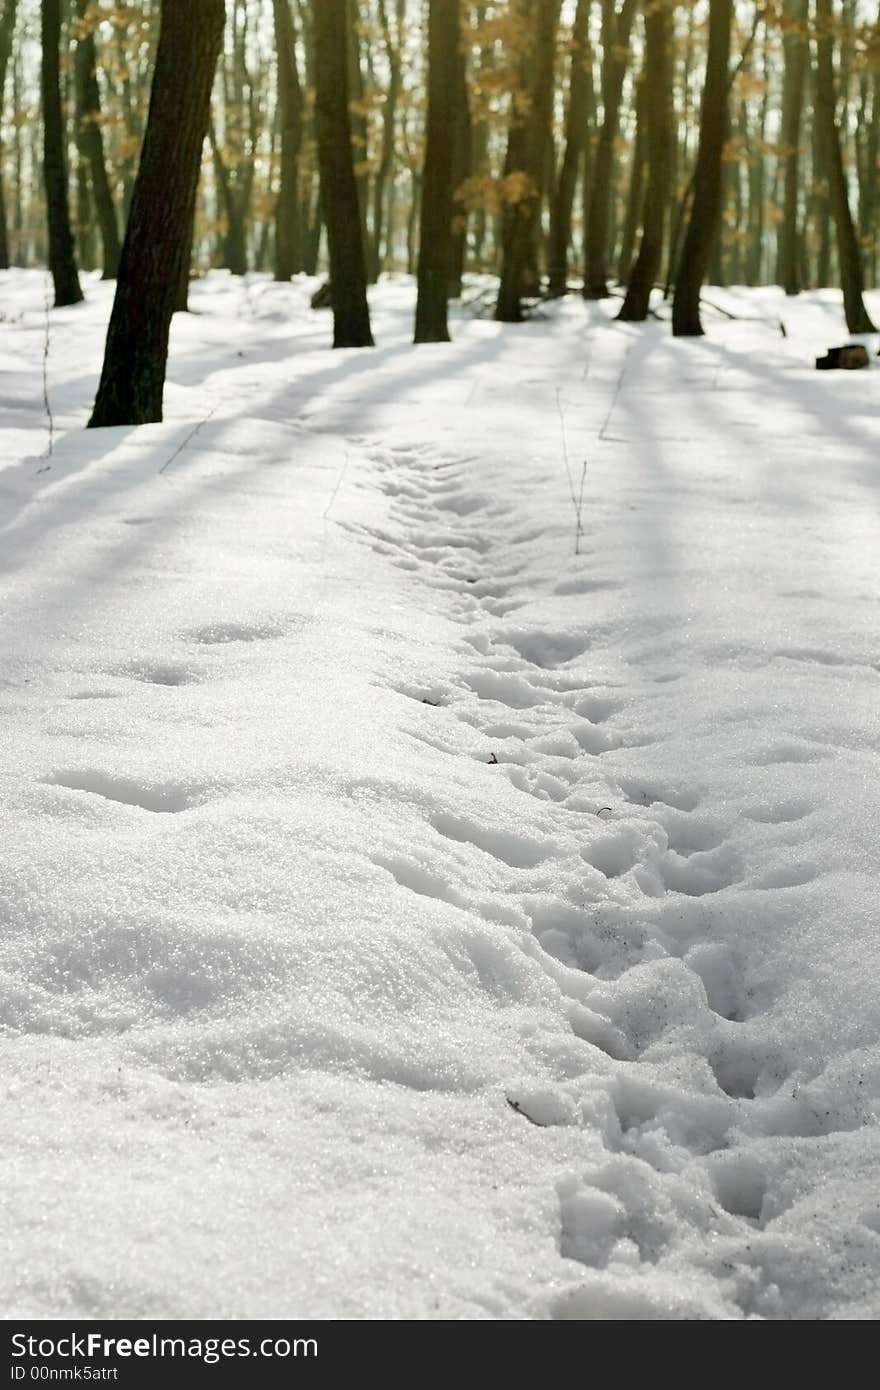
(404, 916)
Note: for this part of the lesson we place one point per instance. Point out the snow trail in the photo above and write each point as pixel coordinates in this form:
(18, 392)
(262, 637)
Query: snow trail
(405, 915)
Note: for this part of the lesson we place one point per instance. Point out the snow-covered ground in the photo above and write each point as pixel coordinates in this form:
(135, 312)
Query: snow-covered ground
(405, 912)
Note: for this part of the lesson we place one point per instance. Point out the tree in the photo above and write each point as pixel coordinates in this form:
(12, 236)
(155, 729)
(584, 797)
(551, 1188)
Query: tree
(795, 56)
(62, 261)
(616, 29)
(849, 256)
(659, 119)
(7, 28)
(445, 58)
(580, 100)
(90, 142)
(706, 202)
(290, 101)
(156, 241)
(528, 144)
(339, 194)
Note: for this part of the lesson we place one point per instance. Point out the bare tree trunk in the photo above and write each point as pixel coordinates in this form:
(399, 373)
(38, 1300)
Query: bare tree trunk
(339, 194)
(576, 136)
(150, 268)
(380, 242)
(795, 53)
(445, 58)
(62, 260)
(530, 144)
(90, 144)
(849, 254)
(616, 29)
(290, 99)
(635, 199)
(7, 28)
(706, 205)
(658, 137)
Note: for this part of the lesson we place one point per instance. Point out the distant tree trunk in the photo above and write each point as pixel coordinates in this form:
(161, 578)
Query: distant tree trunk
(795, 53)
(357, 117)
(62, 260)
(381, 238)
(290, 99)
(150, 269)
(445, 58)
(462, 153)
(181, 298)
(635, 198)
(576, 135)
(339, 195)
(530, 147)
(706, 204)
(7, 28)
(659, 119)
(849, 254)
(90, 144)
(616, 29)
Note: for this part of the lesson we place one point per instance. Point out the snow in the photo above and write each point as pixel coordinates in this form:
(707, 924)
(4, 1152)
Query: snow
(406, 916)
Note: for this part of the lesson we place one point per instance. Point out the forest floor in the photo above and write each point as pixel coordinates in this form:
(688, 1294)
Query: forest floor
(407, 911)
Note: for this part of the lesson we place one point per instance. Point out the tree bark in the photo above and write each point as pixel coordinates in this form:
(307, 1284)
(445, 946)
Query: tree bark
(290, 99)
(659, 135)
(849, 253)
(616, 29)
(62, 259)
(576, 136)
(339, 194)
(635, 198)
(150, 269)
(7, 28)
(795, 56)
(529, 149)
(445, 58)
(381, 238)
(707, 182)
(90, 144)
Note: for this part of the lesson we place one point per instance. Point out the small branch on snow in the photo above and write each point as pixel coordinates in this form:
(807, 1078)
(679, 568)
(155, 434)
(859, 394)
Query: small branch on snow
(577, 500)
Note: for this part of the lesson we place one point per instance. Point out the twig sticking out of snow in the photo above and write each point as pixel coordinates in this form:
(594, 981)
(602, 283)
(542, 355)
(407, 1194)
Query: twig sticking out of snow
(577, 500)
(47, 405)
(192, 434)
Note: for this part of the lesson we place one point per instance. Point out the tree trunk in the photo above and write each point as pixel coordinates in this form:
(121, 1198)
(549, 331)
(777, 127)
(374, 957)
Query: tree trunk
(635, 200)
(576, 135)
(445, 58)
(616, 29)
(658, 136)
(7, 28)
(357, 117)
(795, 54)
(849, 253)
(529, 148)
(150, 269)
(290, 100)
(706, 204)
(339, 195)
(381, 239)
(462, 151)
(62, 260)
(90, 144)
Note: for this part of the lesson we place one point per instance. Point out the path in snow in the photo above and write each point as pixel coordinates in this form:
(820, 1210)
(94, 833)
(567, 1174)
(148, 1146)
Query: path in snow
(409, 916)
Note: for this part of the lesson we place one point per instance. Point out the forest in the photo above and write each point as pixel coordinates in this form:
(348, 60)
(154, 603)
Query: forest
(439, 670)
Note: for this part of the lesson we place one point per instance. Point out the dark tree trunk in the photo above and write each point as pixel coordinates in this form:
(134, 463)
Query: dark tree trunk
(90, 144)
(795, 52)
(659, 133)
(288, 257)
(576, 135)
(527, 150)
(62, 260)
(151, 265)
(445, 58)
(616, 29)
(707, 181)
(7, 28)
(849, 253)
(181, 298)
(339, 194)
